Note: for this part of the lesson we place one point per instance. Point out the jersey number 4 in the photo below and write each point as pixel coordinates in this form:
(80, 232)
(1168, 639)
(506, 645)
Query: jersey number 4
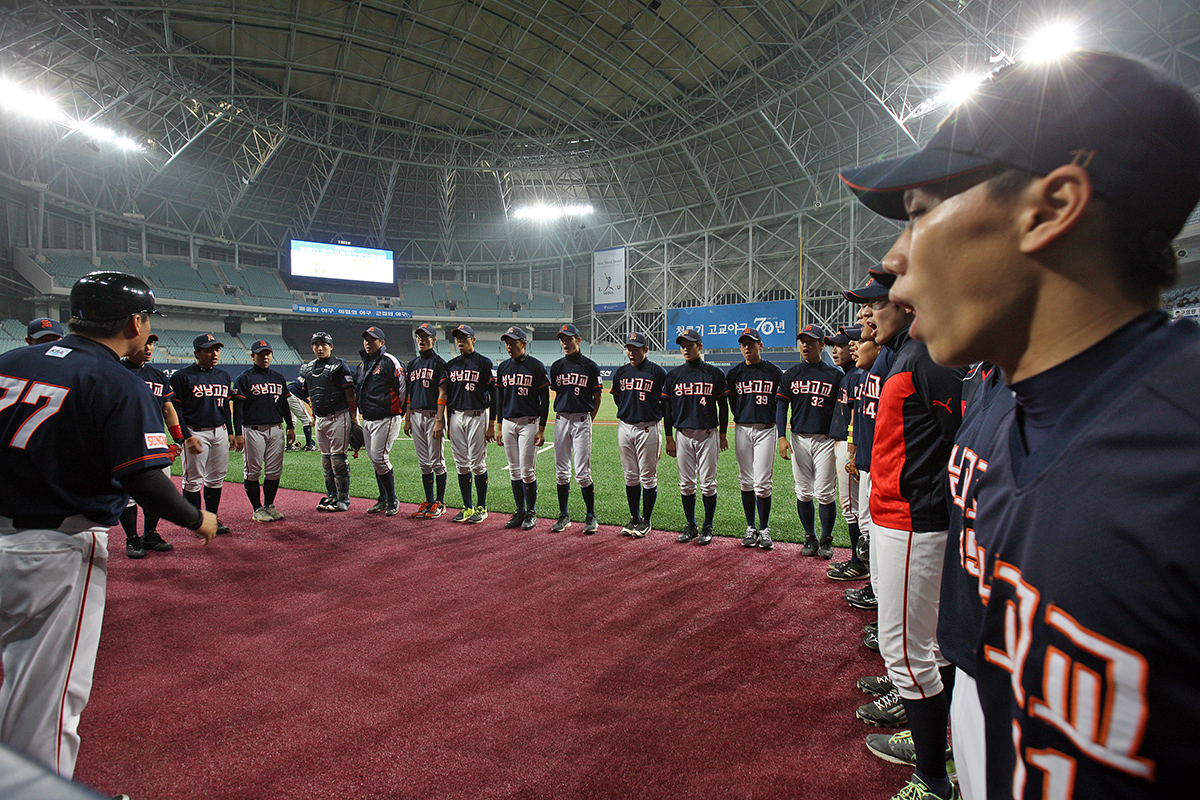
(34, 395)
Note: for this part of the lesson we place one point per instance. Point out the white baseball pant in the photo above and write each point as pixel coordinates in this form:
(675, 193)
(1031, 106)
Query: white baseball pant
(333, 433)
(864, 525)
(909, 589)
(573, 444)
(754, 446)
(263, 452)
(640, 446)
(300, 412)
(813, 466)
(518, 435)
(468, 444)
(696, 450)
(52, 588)
(847, 484)
(966, 727)
(431, 455)
(380, 435)
(208, 467)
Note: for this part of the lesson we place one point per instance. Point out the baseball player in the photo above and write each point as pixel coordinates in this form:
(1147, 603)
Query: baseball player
(1048, 258)
(260, 406)
(381, 393)
(136, 546)
(522, 406)
(425, 421)
(841, 349)
(637, 389)
(302, 413)
(753, 386)
(470, 413)
(695, 404)
(327, 383)
(809, 390)
(44, 330)
(577, 392)
(202, 401)
(79, 433)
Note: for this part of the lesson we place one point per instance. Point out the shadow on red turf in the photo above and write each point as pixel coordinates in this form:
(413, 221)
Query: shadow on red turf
(350, 656)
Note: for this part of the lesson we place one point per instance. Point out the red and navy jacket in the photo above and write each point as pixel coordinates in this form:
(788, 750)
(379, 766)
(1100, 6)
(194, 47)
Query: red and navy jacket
(920, 411)
(379, 385)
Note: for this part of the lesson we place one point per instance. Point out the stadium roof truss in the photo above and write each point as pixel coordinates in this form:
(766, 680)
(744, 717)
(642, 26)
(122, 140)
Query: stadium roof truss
(706, 135)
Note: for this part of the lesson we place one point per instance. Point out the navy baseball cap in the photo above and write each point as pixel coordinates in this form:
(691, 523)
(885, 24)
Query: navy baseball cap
(152, 338)
(873, 290)
(690, 335)
(464, 331)
(568, 330)
(1133, 127)
(853, 332)
(373, 332)
(322, 336)
(260, 346)
(514, 333)
(636, 340)
(43, 327)
(839, 339)
(206, 340)
(427, 329)
(751, 334)
(812, 332)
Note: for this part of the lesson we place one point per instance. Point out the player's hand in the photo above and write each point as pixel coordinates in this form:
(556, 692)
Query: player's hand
(439, 428)
(208, 528)
(785, 450)
(407, 426)
(539, 438)
(724, 442)
(489, 434)
(194, 445)
(237, 443)
(670, 444)
(852, 468)
(173, 451)
(291, 435)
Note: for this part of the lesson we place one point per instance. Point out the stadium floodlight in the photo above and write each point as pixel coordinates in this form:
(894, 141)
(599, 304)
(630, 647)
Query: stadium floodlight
(954, 93)
(23, 101)
(545, 213)
(1051, 42)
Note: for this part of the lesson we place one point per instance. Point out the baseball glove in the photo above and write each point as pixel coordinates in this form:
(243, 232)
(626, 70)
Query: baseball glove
(357, 440)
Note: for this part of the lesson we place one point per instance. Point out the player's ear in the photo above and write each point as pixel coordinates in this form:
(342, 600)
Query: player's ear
(1052, 206)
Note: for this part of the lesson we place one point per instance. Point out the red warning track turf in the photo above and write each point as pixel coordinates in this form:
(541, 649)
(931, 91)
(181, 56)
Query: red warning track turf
(351, 656)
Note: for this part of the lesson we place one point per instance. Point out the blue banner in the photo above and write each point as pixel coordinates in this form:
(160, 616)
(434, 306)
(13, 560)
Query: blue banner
(720, 326)
(373, 313)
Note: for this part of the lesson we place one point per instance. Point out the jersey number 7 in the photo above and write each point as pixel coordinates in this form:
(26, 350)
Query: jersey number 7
(12, 388)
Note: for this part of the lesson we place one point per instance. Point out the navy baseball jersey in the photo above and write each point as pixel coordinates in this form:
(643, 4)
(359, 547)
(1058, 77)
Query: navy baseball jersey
(522, 389)
(1086, 540)
(576, 380)
(155, 380)
(752, 390)
(637, 391)
(262, 395)
(809, 391)
(426, 375)
(694, 397)
(73, 424)
(202, 397)
(323, 383)
(867, 408)
(843, 411)
(470, 384)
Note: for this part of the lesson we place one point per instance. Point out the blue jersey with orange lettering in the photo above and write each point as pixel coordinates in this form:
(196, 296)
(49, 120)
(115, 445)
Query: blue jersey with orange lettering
(426, 376)
(73, 424)
(694, 396)
(752, 390)
(843, 410)
(202, 397)
(470, 384)
(155, 380)
(1086, 538)
(522, 389)
(637, 391)
(262, 395)
(809, 391)
(576, 383)
(867, 408)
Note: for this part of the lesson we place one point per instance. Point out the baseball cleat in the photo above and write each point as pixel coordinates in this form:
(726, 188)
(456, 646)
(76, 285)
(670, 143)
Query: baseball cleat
(515, 520)
(871, 641)
(917, 789)
(561, 524)
(134, 547)
(325, 502)
(764, 539)
(275, 515)
(885, 712)
(379, 507)
(436, 509)
(393, 508)
(863, 597)
(863, 548)
(825, 549)
(898, 749)
(689, 532)
(751, 537)
(153, 542)
(529, 521)
(222, 528)
(590, 525)
(422, 511)
(810, 547)
(630, 526)
(706, 534)
(847, 571)
(262, 515)
(478, 514)
(340, 505)
(876, 685)
(641, 530)
(464, 515)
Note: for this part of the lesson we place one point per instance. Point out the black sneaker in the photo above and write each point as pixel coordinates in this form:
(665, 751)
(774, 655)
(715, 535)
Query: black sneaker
(515, 520)
(640, 531)
(222, 528)
(809, 548)
(825, 549)
(561, 524)
(886, 712)
(706, 534)
(871, 641)
(751, 537)
(153, 541)
(764, 540)
(847, 571)
(864, 598)
(393, 508)
(590, 525)
(689, 532)
(135, 547)
(630, 527)
(379, 507)
(529, 521)
(877, 685)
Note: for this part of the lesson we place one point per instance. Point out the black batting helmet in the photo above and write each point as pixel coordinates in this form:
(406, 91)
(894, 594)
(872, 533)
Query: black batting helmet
(110, 296)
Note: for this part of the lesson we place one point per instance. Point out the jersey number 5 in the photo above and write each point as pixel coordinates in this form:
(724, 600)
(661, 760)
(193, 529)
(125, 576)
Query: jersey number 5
(12, 388)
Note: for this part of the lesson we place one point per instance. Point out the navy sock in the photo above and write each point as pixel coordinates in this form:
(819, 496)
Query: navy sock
(689, 508)
(805, 510)
(212, 499)
(564, 495)
(927, 720)
(252, 494)
(633, 496)
(464, 486)
(481, 488)
(589, 498)
(441, 487)
(531, 498)
(710, 508)
(129, 521)
(149, 521)
(764, 512)
(518, 490)
(748, 507)
(270, 489)
(828, 512)
(649, 498)
(308, 440)
(193, 498)
(855, 535)
(427, 483)
(388, 483)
